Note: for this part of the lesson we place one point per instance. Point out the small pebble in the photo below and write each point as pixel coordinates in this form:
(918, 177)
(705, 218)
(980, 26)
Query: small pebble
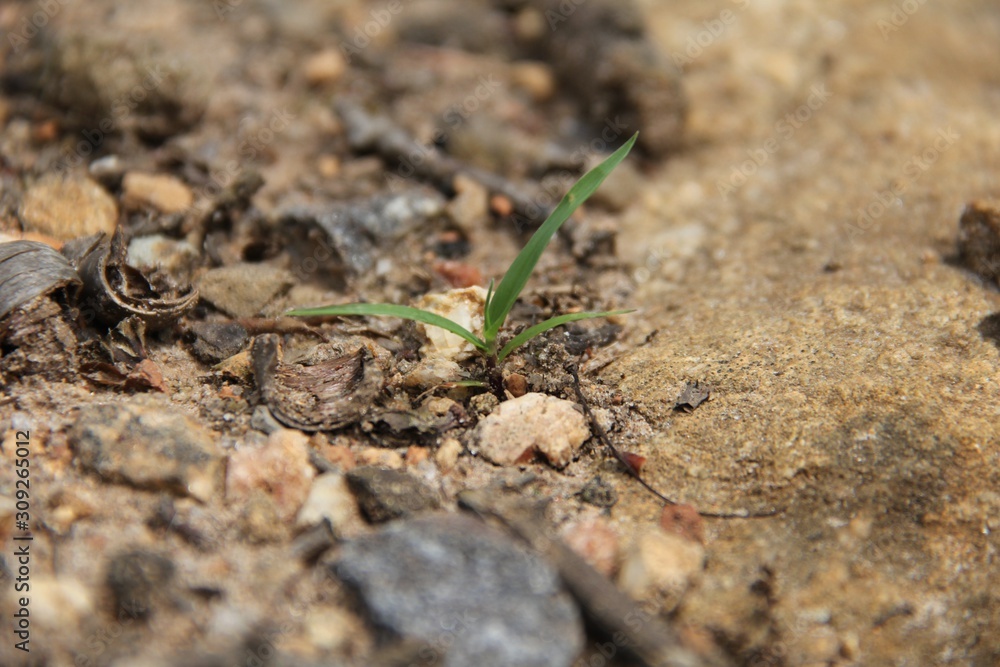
(165, 193)
(599, 493)
(329, 498)
(68, 208)
(595, 541)
(447, 454)
(530, 24)
(501, 205)
(470, 207)
(458, 274)
(384, 494)
(658, 567)
(535, 78)
(328, 166)
(683, 520)
(325, 67)
(244, 290)
(462, 306)
(534, 422)
(477, 596)
(376, 456)
(979, 239)
(215, 341)
(138, 580)
(516, 384)
(415, 455)
(280, 468)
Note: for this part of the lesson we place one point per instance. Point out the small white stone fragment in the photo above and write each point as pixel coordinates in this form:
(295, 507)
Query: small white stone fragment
(329, 498)
(462, 306)
(535, 422)
(658, 567)
(447, 454)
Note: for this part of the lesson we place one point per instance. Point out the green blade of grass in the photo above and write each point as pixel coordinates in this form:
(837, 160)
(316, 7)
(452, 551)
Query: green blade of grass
(392, 310)
(486, 308)
(551, 323)
(520, 269)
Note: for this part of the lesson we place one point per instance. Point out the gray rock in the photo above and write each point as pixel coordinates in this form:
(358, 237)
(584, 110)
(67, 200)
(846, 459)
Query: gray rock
(244, 290)
(215, 341)
(385, 494)
(465, 589)
(979, 239)
(355, 230)
(147, 448)
(138, 581)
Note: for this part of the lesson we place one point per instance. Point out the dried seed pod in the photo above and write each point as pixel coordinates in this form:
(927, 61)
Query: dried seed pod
(116, 290)
(327, 389)
(29, 269)
(36, 335)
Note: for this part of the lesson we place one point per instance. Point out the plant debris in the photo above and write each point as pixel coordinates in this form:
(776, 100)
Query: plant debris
(325, 389)
(114, 290)
(979, 239)
(692, 395)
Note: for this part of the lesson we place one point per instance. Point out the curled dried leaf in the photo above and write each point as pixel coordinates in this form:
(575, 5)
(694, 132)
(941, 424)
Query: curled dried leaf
(329, 388)
(116, 290)
(29, 269)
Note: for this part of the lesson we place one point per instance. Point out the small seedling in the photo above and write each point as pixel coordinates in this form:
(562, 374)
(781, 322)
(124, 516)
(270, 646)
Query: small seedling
(500, 301)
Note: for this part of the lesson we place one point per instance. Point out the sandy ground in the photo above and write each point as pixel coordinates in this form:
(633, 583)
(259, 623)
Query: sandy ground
(819, 295)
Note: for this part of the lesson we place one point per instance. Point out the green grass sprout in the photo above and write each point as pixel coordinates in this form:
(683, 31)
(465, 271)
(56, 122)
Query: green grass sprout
(500, 300)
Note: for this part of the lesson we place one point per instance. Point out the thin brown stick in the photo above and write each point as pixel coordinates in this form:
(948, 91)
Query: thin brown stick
(376, 132)
(647, 637)
(617, 453)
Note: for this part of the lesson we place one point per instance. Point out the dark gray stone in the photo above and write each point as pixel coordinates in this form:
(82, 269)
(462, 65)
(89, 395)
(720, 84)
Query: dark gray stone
(138, 580)
(215, 341)
(475, 596)
(149, 448)
(385, 494)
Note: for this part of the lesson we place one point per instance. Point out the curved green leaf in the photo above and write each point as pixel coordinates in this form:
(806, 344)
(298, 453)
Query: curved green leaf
(392, 310)
(520, 269)
(486, 310)
(551, 323)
